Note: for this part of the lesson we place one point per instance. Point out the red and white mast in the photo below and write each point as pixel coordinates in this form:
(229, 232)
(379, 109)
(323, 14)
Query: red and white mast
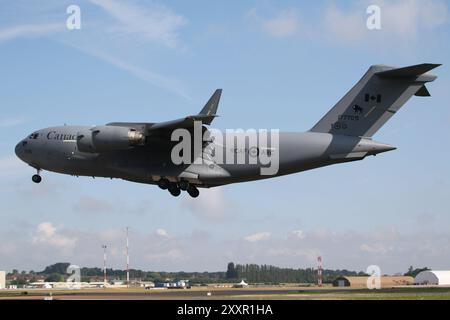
(319, 271)
(128, 262)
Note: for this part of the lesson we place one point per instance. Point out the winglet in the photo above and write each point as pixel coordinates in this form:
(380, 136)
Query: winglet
(210, 108)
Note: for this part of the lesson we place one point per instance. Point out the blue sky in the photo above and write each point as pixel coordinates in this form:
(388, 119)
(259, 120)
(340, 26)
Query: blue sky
(281, 64)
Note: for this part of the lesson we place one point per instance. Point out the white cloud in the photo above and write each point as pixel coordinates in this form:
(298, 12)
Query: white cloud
(162, 232)
(299, 234)
(344, 26)
(154, 22)
(210, 205)
(29, 31)
(46, 234)
(148, 76)
(286, 23)
(120, 22)
(407, 17)
(377, 248)
(47, 244)
(401, 21)
(257, 237)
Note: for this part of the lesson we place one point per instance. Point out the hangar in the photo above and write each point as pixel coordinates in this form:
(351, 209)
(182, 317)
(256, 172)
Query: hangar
(361, 282)
(2, 279)
(429, 277)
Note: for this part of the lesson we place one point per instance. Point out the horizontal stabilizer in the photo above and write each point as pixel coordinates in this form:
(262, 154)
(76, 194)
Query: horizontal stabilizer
(374, 99)
(412, 71)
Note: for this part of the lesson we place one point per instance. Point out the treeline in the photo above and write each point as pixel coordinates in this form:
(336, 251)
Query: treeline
(254, 273)
(58, 272)
(251, 273)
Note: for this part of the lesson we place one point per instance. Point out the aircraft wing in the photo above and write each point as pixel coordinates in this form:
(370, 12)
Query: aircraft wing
(187, 122)
(206, 116)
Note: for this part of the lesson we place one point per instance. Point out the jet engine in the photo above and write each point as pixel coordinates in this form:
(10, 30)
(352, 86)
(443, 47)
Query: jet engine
(108, 138)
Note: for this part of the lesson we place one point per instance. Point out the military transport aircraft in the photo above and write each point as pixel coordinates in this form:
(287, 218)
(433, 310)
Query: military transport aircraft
(143, 152)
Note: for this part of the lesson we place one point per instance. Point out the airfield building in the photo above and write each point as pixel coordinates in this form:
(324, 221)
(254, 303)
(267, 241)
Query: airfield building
(2, 279)
(361, 282)
(437, 278)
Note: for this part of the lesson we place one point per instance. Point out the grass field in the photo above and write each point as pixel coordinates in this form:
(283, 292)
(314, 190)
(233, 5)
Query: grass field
(259, 293)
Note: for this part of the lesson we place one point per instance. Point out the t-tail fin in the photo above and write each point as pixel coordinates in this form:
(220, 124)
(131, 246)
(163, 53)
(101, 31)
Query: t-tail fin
(381, 92)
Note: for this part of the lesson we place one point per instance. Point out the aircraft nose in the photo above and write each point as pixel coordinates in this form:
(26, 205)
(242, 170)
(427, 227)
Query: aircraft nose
(19, 150)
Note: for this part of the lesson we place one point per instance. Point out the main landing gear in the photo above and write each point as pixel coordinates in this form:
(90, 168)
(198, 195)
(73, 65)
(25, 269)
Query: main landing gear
(176, 188)
(36, 178)
(193, 191)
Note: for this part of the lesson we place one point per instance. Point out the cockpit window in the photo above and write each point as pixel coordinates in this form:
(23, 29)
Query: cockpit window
(34, 135)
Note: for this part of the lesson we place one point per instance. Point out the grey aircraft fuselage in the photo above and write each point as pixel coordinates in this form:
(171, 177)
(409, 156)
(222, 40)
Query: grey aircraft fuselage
(55, 149)
(141, 152)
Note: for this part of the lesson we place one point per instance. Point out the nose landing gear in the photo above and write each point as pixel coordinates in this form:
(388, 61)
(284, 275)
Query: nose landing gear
(37, 178)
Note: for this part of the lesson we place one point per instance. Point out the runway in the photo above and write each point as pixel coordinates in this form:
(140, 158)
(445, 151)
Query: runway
(155, 294)
(212, 293)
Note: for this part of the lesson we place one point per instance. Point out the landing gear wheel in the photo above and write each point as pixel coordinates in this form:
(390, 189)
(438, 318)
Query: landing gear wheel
(163, 184)
(184, 185)
(174, 190)
(36, 178)
(193, 191)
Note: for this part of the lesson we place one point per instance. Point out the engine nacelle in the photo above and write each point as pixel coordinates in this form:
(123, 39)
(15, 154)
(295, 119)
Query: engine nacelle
(108, 138)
